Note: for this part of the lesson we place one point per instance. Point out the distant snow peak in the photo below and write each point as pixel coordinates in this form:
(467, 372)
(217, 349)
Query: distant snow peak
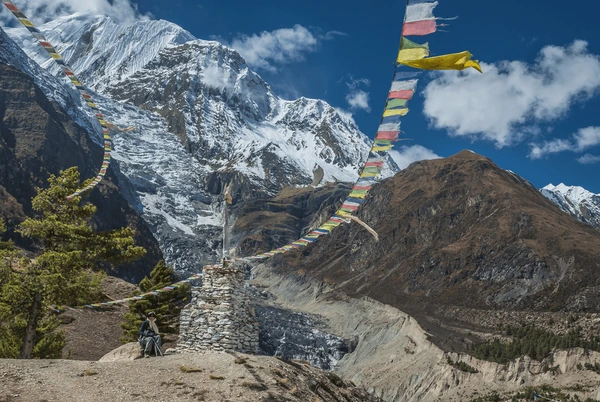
(575, 193)
(576, 201)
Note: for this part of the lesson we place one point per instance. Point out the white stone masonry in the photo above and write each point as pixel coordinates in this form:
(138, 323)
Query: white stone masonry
(220, 316)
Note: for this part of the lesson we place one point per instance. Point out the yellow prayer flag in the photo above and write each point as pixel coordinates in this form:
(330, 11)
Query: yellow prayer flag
(370, 174)
(354, 194)
(395, 112)
(454, 61)
(412, 54)
(379, 149)
(26, 22)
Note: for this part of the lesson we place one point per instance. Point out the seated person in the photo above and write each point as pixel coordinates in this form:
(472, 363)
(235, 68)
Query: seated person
(149, 335)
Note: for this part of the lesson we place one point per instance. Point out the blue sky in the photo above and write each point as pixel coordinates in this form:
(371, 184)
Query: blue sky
(533, 111)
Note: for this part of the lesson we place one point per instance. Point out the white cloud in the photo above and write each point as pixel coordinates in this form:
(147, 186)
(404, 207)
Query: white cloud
(280, 46)
(406, 155)
(358, 99)
(583, 139)
(42, 11)
(589, 159)
(587, 137)
(503, 104)
(550, 147)
(332, 34)
(217, 77)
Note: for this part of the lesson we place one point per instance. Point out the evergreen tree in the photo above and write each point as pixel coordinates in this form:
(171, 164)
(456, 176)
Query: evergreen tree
(166, 305)
(61, 272)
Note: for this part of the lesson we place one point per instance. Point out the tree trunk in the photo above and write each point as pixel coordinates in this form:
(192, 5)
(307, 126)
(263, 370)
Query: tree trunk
(32, 324)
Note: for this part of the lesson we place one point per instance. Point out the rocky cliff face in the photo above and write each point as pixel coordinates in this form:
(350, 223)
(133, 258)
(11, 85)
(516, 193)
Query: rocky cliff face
(38, 138)
(576, 201)
(268, 223)
(460, 231)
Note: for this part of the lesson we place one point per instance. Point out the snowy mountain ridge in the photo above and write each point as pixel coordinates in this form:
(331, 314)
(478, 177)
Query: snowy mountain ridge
(203, 119)
(576, 201)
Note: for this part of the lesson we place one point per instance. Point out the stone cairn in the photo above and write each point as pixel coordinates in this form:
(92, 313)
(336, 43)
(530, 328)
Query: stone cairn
(220, 316)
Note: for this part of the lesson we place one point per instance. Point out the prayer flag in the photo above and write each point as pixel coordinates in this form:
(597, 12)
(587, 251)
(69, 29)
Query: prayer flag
(420, 11)
(402, 85)
(454, 61)
(394, 112)
(419, 28)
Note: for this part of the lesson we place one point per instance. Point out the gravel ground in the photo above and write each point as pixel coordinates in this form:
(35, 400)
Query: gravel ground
(210, 376)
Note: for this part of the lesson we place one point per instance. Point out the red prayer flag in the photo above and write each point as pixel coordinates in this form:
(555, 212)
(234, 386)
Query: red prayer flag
(419, 28)
(403, 94)
(387, 135)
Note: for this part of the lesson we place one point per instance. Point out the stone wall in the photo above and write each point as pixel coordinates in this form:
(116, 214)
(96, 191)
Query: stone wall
(220, 316)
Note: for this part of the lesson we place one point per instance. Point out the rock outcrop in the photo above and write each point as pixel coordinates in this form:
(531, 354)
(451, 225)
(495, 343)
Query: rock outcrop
(129, 351)
(268, 223)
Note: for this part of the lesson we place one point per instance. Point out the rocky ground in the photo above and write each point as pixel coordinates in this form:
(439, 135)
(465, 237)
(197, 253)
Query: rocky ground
(398, 358)
(209, 377)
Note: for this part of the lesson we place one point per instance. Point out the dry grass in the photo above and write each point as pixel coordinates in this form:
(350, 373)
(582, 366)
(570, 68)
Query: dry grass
(185, 369)
(283, 382)
(256, 386)
(89, 372)
(240, 360)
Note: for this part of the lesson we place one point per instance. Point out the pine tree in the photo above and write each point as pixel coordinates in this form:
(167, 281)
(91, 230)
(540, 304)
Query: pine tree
(64, 270)
(166, 305)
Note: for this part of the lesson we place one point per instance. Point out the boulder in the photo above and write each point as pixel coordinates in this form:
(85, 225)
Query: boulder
(129, 351)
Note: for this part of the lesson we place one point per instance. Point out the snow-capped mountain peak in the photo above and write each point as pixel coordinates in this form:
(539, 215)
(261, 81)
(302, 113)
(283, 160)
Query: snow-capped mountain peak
(574, 193)
(203, 118)
(97, 47)
(576, 201)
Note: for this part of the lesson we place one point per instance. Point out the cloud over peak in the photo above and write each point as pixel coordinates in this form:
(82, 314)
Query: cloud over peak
(405, 155)
(41, 11)
(281, 46)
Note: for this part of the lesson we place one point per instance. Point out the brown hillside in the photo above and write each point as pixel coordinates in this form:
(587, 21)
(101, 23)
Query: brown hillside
(460, 231)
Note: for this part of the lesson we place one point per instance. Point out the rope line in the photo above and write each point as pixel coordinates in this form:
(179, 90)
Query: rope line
(77, 83)
(387, 133)
(62, 309)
